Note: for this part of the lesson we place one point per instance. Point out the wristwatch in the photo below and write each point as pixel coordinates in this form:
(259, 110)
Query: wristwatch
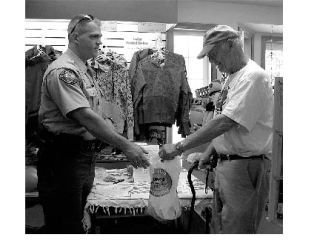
(179, 147)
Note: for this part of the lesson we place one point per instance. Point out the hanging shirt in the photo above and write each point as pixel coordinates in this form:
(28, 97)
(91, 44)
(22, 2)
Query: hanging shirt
(247, 99)
(111, 74)
(161, 93)
(67, 86)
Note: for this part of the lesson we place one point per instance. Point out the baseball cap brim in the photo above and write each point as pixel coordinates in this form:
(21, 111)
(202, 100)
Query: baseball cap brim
(205, 51)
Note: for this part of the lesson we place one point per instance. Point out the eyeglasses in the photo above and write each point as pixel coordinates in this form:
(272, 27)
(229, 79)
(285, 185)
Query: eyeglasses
(86, 17)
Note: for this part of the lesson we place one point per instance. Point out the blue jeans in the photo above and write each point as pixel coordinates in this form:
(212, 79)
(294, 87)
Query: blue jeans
(65, 178)
(243, 187)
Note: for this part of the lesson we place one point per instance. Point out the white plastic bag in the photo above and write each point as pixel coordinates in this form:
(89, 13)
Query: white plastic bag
(163, 201)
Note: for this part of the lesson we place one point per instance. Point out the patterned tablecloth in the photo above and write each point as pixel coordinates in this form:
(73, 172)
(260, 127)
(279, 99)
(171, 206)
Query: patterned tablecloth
(115, 189)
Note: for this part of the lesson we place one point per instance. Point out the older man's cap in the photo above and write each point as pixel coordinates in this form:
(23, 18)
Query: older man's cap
(215, 35)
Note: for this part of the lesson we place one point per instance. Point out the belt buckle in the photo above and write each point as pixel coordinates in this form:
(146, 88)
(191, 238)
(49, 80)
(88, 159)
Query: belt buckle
(227, 156)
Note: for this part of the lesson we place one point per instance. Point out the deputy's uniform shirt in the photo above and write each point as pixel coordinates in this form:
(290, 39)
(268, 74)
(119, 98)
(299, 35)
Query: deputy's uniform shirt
(247, 99)
(67, 86)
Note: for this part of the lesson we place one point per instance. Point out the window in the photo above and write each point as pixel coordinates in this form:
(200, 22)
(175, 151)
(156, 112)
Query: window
(274, 60)
(272, 56)
(189, 43)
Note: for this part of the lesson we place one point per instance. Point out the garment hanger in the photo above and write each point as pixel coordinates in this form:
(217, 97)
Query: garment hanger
(40, 52)
(104, 55)
(159, 49)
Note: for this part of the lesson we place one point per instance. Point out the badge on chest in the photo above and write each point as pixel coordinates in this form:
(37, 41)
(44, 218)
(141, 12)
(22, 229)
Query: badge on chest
(89, 87)
(92, 92)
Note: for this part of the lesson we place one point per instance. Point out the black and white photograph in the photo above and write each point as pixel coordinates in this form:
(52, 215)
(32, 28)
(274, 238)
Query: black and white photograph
(138, 118)
(153, 117)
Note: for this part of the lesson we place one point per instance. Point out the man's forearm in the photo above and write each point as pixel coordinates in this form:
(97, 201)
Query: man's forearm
(210, 149)
(208, 132)
(98, 127)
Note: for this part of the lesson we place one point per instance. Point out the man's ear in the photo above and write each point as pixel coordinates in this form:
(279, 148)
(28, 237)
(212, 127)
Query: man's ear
(229, 44)
(75, 37)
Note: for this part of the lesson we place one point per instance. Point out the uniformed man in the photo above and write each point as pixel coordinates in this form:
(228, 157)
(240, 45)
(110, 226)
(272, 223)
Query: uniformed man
(240, 132)
(72, 131)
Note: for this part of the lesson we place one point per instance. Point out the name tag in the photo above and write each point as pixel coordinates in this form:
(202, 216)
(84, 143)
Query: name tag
(92, 92)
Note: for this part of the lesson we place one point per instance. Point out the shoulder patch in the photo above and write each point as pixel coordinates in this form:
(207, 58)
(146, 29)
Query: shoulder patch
(68, 76)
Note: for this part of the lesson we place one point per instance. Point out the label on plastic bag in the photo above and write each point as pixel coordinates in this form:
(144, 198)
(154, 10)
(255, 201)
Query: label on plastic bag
(161, 183)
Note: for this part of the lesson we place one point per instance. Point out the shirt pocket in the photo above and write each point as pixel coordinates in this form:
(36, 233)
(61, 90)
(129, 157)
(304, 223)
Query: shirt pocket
(92, 92)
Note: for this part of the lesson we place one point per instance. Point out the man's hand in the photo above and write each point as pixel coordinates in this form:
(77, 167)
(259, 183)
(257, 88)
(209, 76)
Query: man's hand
(105, 131)
(136, 155)
(204, 160)
(205, 157)
(168, 152)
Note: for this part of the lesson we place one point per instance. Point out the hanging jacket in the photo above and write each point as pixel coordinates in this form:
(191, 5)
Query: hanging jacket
(161, 93)
(37, 60)
(137, 84)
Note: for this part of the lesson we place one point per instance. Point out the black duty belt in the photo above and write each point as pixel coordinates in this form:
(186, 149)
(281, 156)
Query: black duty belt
(224, 157)
(71, 141)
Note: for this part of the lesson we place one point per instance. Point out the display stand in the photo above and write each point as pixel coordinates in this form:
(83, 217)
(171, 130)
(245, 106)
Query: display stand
(277, 152)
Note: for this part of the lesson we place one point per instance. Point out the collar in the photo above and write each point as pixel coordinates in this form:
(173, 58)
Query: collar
(82, 66)
(230, 80)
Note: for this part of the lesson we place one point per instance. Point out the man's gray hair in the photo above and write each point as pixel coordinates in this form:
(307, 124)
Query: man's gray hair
(236, 41)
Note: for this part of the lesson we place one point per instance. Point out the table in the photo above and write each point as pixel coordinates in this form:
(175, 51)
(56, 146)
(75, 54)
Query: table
(127, 198)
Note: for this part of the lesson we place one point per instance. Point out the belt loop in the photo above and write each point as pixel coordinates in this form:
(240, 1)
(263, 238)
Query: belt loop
(228, 157)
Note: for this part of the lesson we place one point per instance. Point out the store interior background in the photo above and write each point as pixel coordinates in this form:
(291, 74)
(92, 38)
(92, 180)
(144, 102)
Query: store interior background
(180, 24)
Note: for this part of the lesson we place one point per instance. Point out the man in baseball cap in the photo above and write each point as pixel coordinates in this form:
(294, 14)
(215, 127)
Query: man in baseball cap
(215, 35)
(240, 132)
(223, 46)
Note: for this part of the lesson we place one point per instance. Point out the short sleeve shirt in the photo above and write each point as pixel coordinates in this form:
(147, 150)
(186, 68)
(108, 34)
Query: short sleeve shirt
(67, 86)
(249, 102)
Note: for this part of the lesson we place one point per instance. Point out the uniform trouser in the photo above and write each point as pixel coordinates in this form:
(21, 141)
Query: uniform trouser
(65, 178)
(243, 187)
